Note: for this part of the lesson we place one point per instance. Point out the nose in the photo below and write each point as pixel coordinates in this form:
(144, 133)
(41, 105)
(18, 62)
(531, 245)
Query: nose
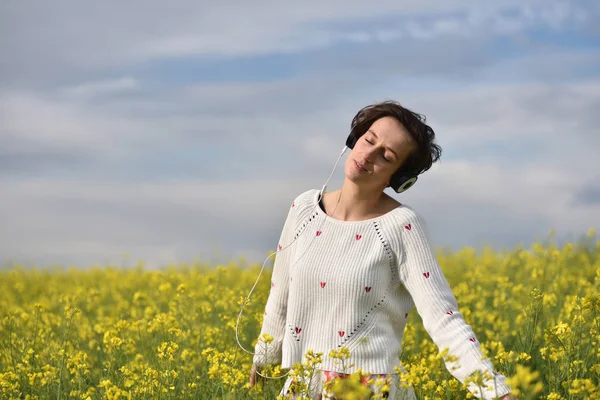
(369, 154)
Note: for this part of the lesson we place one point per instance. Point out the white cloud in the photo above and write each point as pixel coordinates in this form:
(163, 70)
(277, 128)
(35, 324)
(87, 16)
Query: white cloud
(96, 88)
(75, 38)
(556, 122)
(35, 122)
(86, 222)
(466, 201)
(31, 119)
(291, 131)
(287, 32)
(269, 121)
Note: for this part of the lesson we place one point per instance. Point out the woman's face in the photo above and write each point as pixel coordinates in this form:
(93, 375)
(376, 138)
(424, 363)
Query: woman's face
(379, 153)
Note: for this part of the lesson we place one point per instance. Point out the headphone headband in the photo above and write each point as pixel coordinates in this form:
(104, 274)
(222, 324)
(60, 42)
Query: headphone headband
(401, 180)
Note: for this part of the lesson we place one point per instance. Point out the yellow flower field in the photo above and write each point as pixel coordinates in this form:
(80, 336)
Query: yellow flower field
(117, 333)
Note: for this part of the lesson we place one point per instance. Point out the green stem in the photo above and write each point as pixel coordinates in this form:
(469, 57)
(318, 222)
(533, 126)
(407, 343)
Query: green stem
(63, 346)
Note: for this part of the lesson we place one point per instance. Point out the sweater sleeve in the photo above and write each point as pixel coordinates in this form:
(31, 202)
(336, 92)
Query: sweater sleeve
(435, 302)
(275, 310)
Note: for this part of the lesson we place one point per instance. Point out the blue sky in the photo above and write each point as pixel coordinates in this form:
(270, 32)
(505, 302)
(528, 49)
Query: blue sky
(168, 131)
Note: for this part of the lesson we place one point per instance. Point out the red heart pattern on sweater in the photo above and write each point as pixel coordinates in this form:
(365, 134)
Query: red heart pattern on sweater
(368, 288)
(272, 284)
(279, 246)
(409, 226)
(472, 339)
(293, 204)
(450, 313)
(426, 274)
(319, 233)
(358, 237)
(323, 284)
(298, 330)
(341, 333)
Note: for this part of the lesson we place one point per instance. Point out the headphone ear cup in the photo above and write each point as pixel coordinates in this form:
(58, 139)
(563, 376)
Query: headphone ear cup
(351, 140)
(402, 183)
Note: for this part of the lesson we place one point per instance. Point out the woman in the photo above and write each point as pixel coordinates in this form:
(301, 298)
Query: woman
(354, 262)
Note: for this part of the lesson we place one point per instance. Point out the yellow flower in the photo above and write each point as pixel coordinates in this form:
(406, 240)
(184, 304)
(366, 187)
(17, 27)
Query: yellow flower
(525, 382)
(115, 333)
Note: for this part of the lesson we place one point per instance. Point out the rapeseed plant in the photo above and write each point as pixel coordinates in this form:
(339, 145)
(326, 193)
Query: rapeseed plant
(117, 333)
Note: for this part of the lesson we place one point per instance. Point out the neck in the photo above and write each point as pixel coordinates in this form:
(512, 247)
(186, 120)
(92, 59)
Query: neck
(355, 202)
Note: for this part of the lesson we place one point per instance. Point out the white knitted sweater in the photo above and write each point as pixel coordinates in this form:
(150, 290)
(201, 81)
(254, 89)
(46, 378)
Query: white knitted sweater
(352, 284)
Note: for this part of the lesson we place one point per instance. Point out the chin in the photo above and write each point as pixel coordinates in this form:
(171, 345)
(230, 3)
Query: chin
(356, 178)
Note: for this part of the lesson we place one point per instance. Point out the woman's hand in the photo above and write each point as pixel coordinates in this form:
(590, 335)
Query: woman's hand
(254, 377)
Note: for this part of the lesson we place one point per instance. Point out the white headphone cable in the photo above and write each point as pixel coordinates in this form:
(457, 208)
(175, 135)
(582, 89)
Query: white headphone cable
(263, 266)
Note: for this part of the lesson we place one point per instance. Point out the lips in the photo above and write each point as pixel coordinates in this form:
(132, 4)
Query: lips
(359, 166)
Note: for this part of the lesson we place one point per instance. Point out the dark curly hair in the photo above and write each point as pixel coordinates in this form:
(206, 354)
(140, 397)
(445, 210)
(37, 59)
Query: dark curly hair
(427, 151)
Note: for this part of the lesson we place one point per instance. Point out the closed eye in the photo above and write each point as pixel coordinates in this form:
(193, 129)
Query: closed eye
(384, 157)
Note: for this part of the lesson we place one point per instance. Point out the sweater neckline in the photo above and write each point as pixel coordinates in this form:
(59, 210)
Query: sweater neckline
(321, 212)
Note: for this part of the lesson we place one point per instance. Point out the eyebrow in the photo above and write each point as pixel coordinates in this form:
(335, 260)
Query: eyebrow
(389, 148)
